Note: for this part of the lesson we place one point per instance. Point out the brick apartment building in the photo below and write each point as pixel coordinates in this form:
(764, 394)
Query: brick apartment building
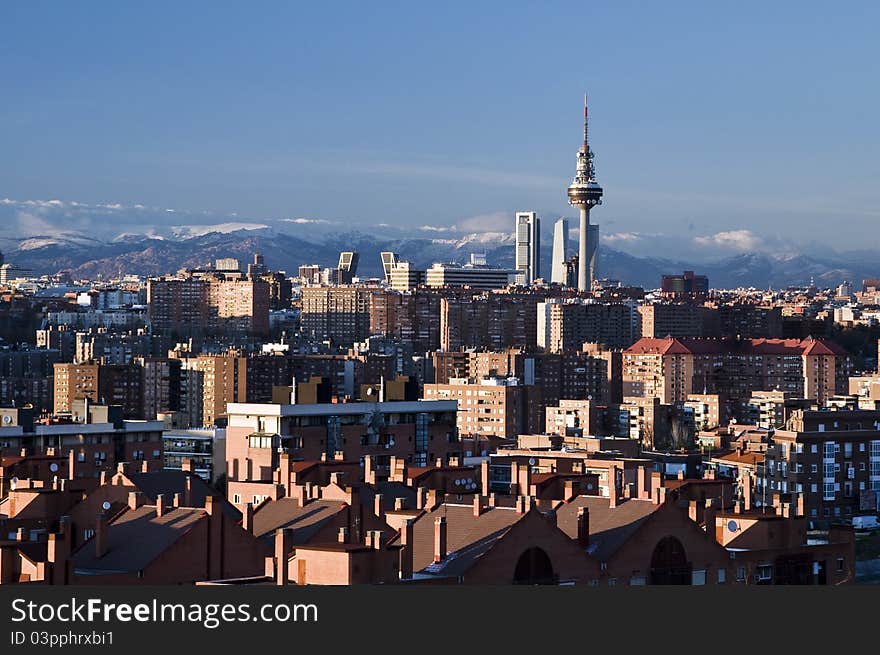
(671, 369)
(419, 432)
(826, 459)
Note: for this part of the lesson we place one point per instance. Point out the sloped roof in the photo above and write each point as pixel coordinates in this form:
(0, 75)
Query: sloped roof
(305, 522)
(168, 483)
(137, 538)
(609, 527)
(467, 537)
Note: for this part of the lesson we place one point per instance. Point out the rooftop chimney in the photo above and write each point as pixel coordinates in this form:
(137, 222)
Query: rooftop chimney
(484, 476)
(583, 526)
(342, 535)
(247, 518)
(369, 471)
(421, 497)
(135, 499)
(642, 484)
(160, 505)
(439, 539)
(177, 499)
(186, 465)
(378, 510)
(399, 504)
(478, 505)
(101, 535)
(282, 548)
(406, 553)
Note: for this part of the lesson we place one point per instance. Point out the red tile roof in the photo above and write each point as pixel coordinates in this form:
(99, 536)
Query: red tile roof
(711, 346)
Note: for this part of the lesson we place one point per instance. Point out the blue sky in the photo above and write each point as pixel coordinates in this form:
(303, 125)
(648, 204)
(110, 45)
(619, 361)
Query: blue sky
(754, 121)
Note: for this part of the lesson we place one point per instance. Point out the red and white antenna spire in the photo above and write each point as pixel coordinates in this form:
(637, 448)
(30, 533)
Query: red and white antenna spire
(586, 144)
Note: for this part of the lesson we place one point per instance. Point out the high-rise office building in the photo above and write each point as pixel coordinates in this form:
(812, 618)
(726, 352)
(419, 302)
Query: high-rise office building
(592, 251)
(584, 193)
(560, 246)
(528, 246)
(389, 260)
(347, 267)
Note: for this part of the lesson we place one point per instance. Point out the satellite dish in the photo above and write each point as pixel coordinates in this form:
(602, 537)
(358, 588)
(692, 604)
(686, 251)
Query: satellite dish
(13, 483)
(53, 467)
(105, 505)
(732, 526)
(531, 461)
(391, 443)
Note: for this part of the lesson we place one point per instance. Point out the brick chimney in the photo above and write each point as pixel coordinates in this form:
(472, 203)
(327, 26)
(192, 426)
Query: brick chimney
(613, 488)
(680, 475)
(439, 539)
(492, 500)
(378, 510)
(406, 552)
(435, 497)
(102, 479)
(247, 518)
(282, 548)
(186, 465)
(521, 507)
(399, 504)
(177, 500)
(693, 511)
(187, 491)
(642, 484)
(800, 505)
(478, 505)
(438, 463)
(709, 513)
(569, 490)
(71, 465)
(377, 539)
(160, 505)
(660, 495)
(421, 497)
(135, 499)
(484, 477)
(583, 526)
(747, 491)
(101, 535)
(145, 466)
(656, 483)
(342, 535)
(369, 470)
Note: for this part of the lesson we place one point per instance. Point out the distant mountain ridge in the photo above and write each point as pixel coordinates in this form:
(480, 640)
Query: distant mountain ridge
(155, 254)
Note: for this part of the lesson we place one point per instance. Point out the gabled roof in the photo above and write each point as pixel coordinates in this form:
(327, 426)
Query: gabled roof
(729, 345)
(467, 537)
(305, 522)
(609, 527)
(168, 483)
(136, 538)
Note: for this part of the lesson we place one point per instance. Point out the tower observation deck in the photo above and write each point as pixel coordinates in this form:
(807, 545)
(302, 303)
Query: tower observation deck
(584, 193)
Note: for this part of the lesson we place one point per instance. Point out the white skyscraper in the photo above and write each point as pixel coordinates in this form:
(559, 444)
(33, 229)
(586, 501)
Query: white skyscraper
(528, 246)
(592, 250)
(560, 246)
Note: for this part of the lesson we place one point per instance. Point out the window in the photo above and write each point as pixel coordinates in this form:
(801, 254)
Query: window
(840, 563)
(814, 449)
(637, 581)
(814, 468)
(88, 533)
(236, 499)
(740, 573)
(698, 578)
(722, 576)
(612, 582)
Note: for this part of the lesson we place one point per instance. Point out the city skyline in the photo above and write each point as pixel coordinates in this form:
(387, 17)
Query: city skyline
(275, 151)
